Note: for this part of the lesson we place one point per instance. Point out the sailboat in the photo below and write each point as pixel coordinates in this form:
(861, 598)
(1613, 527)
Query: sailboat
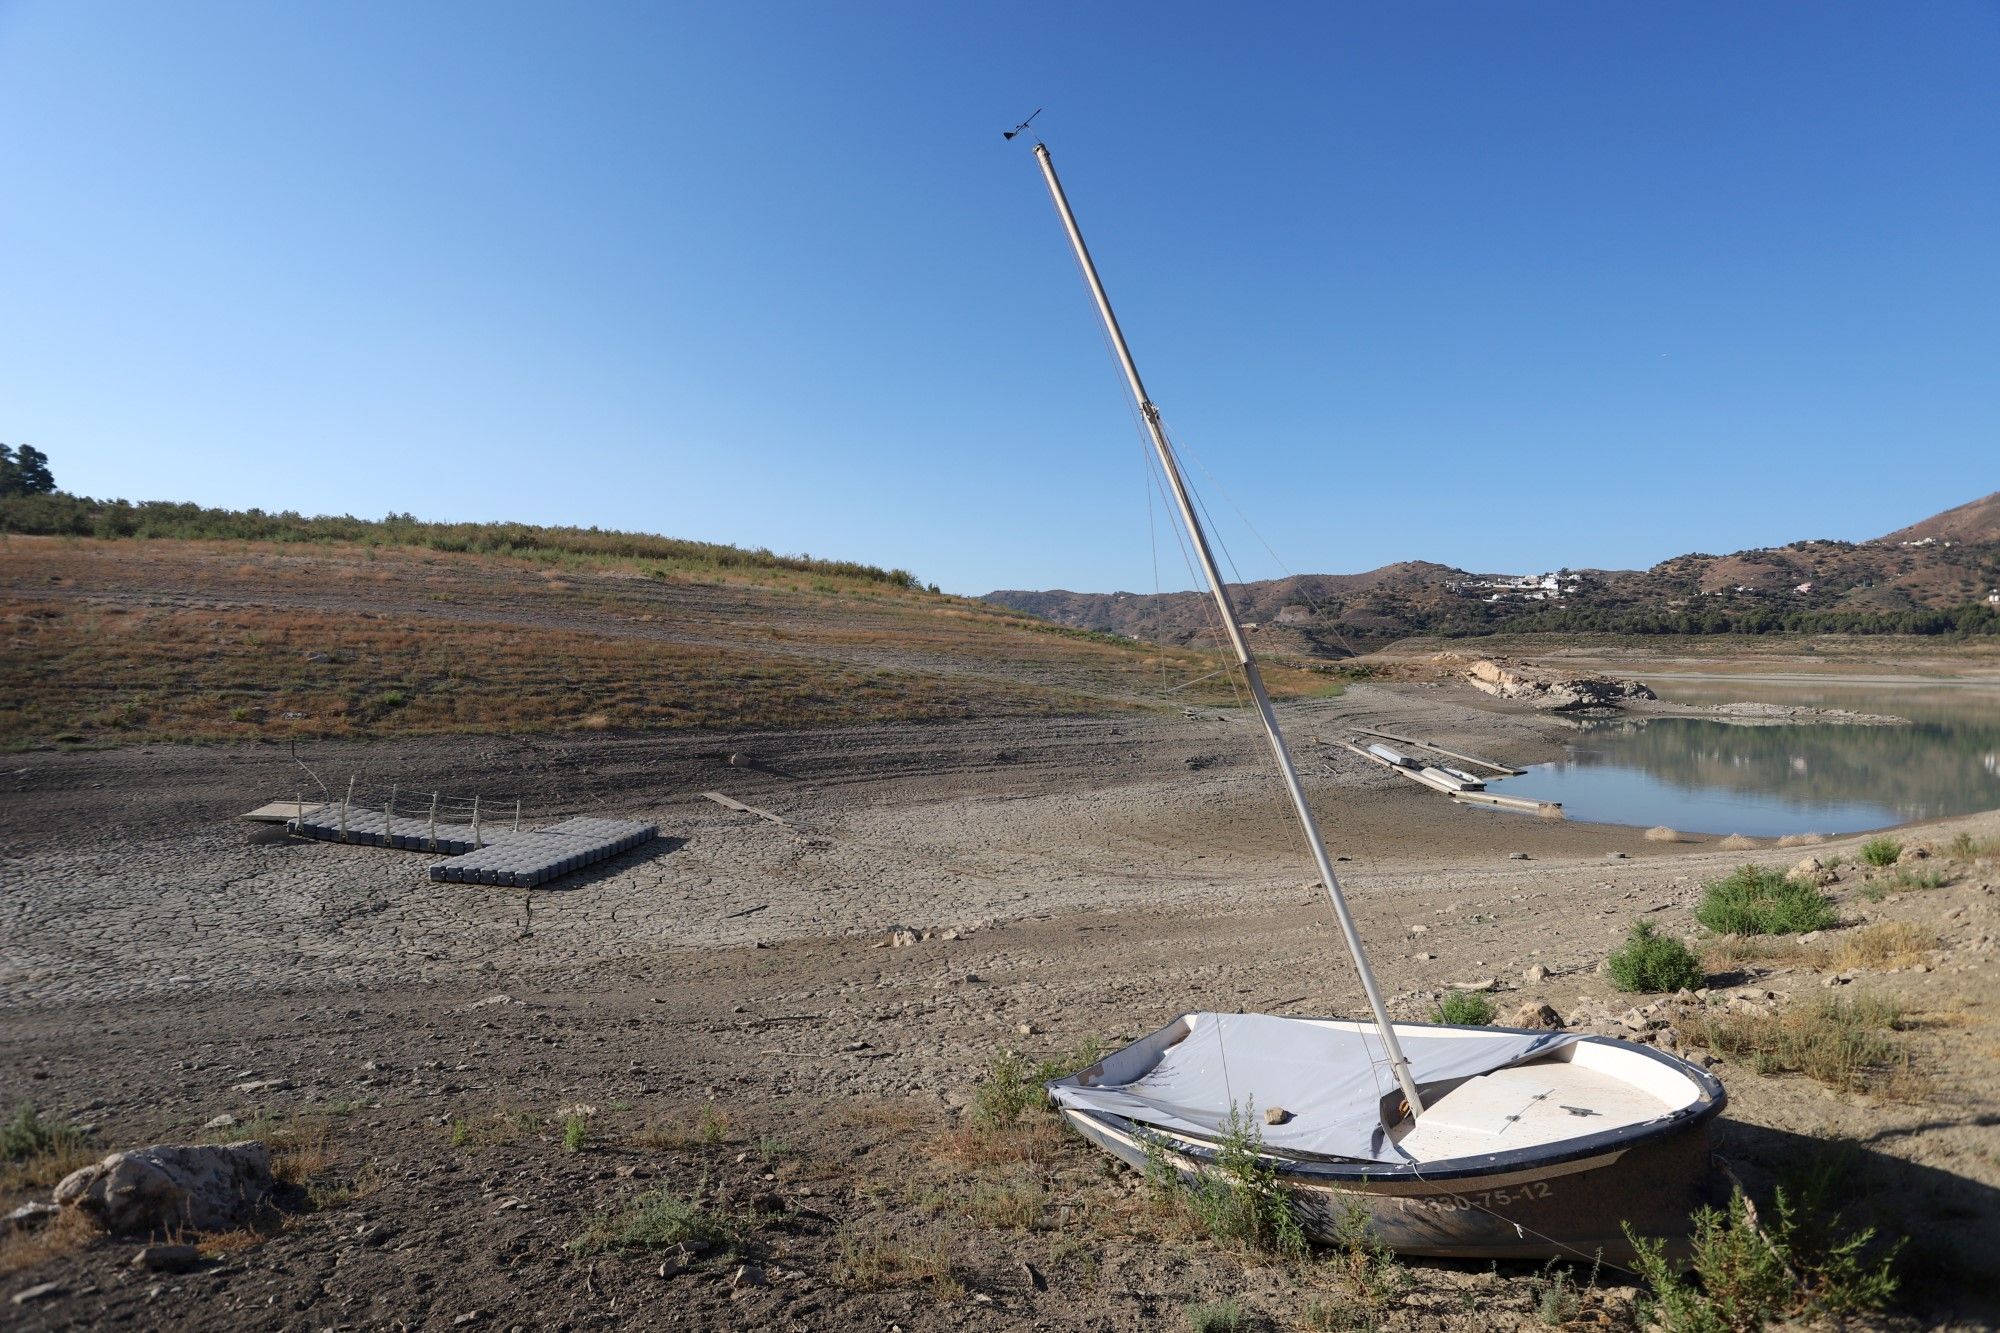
(1473, 1142)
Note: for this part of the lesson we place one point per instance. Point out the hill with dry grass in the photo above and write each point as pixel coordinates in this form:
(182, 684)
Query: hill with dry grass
(1939, 581)
(114, 639)
(1975, 522)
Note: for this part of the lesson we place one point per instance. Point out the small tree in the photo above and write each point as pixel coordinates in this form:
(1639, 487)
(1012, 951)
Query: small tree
(25, 471)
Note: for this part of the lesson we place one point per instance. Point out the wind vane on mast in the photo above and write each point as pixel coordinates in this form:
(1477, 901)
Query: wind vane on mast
(1008, 134)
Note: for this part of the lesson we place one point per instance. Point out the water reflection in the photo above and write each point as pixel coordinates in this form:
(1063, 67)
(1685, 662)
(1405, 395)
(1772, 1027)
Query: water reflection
(1710, 777)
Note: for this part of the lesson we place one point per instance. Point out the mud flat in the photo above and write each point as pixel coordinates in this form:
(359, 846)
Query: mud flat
(732, 1009)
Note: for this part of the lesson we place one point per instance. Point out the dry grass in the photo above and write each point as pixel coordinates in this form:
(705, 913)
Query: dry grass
(500, 1126)
(1872, 948)
(1736, 842)
(1661, 833)
(222, 1244)
(1724, 953)
(1801, 839)
(1889, 944)
(423, 643)
(41, 1171)
(1849, 1045)
(66, 1233)
(882, 1261)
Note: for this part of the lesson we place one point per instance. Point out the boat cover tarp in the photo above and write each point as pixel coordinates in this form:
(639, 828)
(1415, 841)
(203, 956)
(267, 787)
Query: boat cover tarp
(1331, 1078)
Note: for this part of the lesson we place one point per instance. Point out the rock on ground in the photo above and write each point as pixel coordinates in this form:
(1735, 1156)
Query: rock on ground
(167, 1186)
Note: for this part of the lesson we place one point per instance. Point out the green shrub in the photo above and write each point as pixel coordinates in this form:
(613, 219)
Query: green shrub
(28, 1135)
(575, 1133)
(1008, 1091)
(1465, 1009)
(1881, 851)
(1755, 901)
(1237, 1197)
(1651, 961)
(1919, 877)
(654, 1222)
(1013, 1086)
(1744, 1278)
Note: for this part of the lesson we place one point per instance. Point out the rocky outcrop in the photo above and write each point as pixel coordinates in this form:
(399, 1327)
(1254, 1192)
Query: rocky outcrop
(170, 1187)
(1545, 690)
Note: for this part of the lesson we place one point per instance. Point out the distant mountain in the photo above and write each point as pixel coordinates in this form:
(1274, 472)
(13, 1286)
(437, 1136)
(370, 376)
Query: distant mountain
(1937, 576)
(1976, 522)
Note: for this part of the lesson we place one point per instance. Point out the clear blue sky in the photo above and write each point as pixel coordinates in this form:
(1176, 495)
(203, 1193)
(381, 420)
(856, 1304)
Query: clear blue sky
(1508, 286)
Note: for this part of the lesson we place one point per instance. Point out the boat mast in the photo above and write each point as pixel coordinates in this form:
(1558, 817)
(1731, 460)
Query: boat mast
(1279, 751)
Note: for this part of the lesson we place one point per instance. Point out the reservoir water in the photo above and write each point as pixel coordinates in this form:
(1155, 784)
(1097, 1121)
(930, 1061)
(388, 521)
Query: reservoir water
(1699, 776)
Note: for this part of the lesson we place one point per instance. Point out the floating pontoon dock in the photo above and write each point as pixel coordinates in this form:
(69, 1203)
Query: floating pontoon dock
(1459, 786)
(1434, 748)
(510, 857)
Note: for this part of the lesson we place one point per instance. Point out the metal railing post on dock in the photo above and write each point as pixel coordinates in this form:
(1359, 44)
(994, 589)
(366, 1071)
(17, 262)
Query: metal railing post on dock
(475, 823)
(434, 821)
(517, 814)
(389, 819)
(346, 801)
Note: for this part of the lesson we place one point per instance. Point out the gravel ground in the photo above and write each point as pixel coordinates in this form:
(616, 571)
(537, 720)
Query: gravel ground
(727, 1003)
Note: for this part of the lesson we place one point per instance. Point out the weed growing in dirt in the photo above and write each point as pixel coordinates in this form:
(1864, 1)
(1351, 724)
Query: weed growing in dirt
(1223, 1316)
(657, 1221)
(1881, 851)
(1651, 961)
(1236, 1197)
(1008, 1091)
(1919, 877)
(1465, 1009)
(713, 1127)
(770, 1148)
(878, 1261)
(26, 1134)
(1744, 1277)
(1369, 1268)
(575, 1133)
(1849, 1045)
(501, 1126)
(1559, 1301)
(336, 1189)
(1756, 901)
(35, 1152)
(1012, 1086)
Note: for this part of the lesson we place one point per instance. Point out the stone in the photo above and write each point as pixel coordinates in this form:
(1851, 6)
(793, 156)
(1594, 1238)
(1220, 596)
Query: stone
(1517, 856)
(28, 1216)
(1916, 851)
(41, 1291)
(1276, 1115)
(1026, 1029)
(257, 1085)
(199, 1187)
(166, 1258)
(902, 937)
(1535, 1015)
(746, 1275)
(741, 760)
(1535, 973)
(223, 1121)
(1484, 983)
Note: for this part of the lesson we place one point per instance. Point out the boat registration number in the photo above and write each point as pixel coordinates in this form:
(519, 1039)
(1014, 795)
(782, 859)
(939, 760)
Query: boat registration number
(1485, 1199)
